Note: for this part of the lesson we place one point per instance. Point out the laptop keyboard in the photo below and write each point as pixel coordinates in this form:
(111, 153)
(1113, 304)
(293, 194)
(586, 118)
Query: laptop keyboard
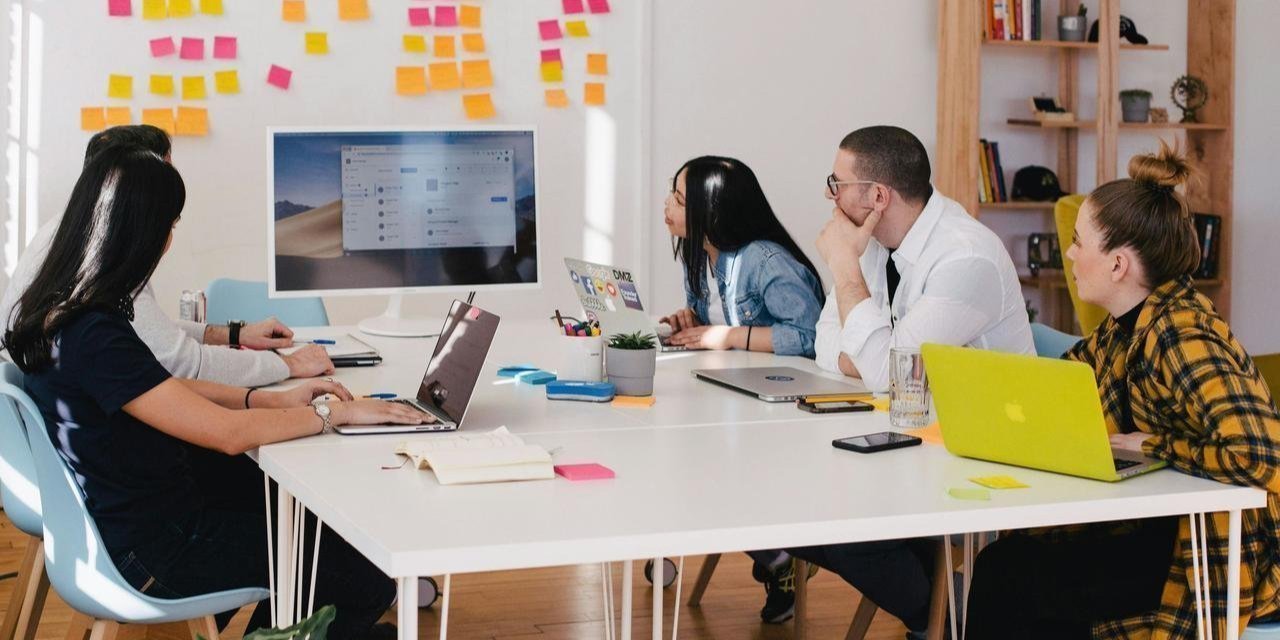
(1125, 464)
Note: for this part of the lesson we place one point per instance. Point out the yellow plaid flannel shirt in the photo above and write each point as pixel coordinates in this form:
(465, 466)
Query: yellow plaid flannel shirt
(1191, 386)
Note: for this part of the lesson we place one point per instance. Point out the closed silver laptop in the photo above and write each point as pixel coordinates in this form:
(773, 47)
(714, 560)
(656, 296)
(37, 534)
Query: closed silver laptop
(777, 384)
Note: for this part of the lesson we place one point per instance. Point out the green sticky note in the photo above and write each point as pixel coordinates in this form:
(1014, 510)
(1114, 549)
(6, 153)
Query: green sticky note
(965, 493)
(999, 482)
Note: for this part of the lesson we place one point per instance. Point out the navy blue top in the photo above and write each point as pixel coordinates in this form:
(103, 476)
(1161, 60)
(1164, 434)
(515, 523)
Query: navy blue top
(134, 477)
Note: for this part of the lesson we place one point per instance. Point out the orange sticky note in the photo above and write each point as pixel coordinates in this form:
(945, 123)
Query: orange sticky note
(411, 81)
(317, 43)
(552, 71)
(598, 64)
(557, 98)
(478, 106)
(594, 94)
(211, 7)
(154, 10)
(294, 11)
(469, 16)
(193, 88)
(576, 28)
(159, 118)
(353, 9)
(162, 85)
(415, 44)
(93, 119)
(117, 116)
(444, 76)
(180, 9)
(226, 81)
(473, 42)
(931, 434)
(476, 74)
(119, 86)
(192, 121)
(445, 47)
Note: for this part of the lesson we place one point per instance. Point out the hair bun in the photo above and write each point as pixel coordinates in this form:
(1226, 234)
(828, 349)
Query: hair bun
(1167, 168)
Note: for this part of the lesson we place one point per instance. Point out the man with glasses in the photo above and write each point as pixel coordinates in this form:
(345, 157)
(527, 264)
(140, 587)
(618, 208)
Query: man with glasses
(910, 266)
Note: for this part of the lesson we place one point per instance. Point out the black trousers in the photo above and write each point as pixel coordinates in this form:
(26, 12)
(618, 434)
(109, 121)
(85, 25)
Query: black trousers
(1028, 587)
(894, 574)
(224, 547)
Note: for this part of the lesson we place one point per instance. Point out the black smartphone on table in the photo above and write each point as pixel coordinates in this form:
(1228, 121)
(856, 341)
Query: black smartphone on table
(837, 406)
(874, 442)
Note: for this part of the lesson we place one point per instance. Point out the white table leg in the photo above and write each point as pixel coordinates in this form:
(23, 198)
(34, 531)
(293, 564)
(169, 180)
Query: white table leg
(657, 598)
(1233, 575)
(284, 557)
(407, 609)
(271, 560)
(626, 600)
(444, 606)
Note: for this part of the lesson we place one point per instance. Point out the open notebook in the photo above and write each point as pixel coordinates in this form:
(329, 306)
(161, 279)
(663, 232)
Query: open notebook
(469, 458)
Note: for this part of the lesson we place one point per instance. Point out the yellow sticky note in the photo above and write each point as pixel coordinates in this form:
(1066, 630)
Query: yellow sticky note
(211, 7)
(444, 76)
(193, 88)
(162, 85)
(576, 28)
(226, 81)
(965, 493)
(557, 98)
(593, 94)
(469, 16)
(93, 119)
(999, 482)
(293, 11)
(118, 116)
(478, 106)
(180, 9)
(411, 81)
(154, 10)
(192, 121)
(445, 46)
(476, 74)
(473, 42)
(119, 86)
(598, 64)
(415, 44)
(159, 118)
(931, 434)
(552, 71)
(353, 9)
(317, 43)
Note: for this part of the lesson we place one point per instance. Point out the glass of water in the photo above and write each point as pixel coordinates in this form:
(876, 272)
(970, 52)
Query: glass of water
(908, 389)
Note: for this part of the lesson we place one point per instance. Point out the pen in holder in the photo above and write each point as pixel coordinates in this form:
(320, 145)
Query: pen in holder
(581, 358)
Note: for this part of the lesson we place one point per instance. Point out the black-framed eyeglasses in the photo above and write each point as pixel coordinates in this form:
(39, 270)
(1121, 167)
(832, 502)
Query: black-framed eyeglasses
(834, 185)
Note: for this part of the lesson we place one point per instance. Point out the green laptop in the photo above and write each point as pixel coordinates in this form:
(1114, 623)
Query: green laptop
(1031, 412)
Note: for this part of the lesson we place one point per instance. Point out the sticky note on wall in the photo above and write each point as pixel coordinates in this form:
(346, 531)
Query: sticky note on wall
(446, 16)
(279, 76)
(293, 11)
(225, 47)
(577, 29)
(552, 71)
(159, 118)
(473, 42)
(445, 46)
(119, 116)
(478, 106)
(193, 88)
(120, 8)
(161, 47)
(598, 64)
(192, 121)
(353, 9)
(317, 43)
(551, 55)
(180, 9)
(226, 81)
(415, 44)
(593, 94)
(476, 74)
(411, 81)
(469, 16)
(154, 10)
(550, 30)
(93, 119)
(598, 6)
(120, 86)
(444, 76)
(162, 85)
(420, 17)
(557, 98)
(211, 7)
(572, 6)
(192, 49)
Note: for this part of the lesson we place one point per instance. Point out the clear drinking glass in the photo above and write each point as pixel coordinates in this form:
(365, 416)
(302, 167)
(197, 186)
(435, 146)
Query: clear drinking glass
(908, 389)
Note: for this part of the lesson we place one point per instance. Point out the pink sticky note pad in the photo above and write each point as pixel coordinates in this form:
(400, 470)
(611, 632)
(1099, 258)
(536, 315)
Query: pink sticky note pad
(279, 76)
(446, 16)
(161, 47)
(590, 471)
(550, 30)
(420, 17)
(573, 6)
(551, 55)
(224, 48)
(192, 49)
(119, 7)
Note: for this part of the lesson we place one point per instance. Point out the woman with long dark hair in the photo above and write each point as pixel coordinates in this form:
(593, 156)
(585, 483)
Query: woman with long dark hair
(131, 433)
(763, 294)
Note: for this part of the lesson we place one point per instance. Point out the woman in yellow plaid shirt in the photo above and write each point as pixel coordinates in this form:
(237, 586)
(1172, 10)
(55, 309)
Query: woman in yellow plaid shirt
(1176, 385)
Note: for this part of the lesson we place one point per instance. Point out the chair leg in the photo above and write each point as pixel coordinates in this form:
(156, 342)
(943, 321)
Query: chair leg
(704, 578)
(938, 596)
(104, 630)
(862, 619)
(79, 627)
(29, 591)
(801, 569)
(205, 627)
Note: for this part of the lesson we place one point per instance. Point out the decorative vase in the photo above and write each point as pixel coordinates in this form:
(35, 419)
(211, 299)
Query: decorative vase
(1072, 28)
(1135, 108)
(631, 370)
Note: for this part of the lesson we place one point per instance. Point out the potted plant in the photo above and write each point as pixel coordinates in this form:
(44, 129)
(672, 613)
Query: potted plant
(314, 628)
(1135, 105)
(1072, 28)
(630, 362)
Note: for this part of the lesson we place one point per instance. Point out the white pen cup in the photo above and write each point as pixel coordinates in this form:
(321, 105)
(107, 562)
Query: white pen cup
(581, 358)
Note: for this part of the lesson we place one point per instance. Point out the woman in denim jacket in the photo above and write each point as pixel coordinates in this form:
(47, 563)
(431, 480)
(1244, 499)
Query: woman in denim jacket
(764, 293)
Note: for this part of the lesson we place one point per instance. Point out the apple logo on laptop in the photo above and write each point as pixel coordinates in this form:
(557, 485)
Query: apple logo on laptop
(1014, 411)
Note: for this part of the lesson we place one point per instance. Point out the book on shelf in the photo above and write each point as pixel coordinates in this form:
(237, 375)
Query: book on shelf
(1012, 19)
(984, 189)
(1208, 233)
(991, 184)
(999, 166)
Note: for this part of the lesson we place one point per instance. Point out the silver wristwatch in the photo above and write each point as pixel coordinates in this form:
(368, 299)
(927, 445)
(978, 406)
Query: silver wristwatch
(322, 409)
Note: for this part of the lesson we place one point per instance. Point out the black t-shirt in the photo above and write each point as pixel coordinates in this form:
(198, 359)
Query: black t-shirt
(135, 478)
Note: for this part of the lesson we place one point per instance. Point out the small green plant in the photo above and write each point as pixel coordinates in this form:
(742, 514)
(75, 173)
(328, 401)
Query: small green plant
(1135, 93)
(632, 341)
(1082, 11)
(314, 628)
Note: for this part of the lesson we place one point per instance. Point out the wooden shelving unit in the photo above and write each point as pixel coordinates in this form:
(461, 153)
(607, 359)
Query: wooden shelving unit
(1210, 57)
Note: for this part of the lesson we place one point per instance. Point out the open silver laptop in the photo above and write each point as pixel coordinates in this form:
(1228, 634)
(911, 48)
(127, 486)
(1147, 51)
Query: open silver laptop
(609, 296)
(777, 384)
(452, 373)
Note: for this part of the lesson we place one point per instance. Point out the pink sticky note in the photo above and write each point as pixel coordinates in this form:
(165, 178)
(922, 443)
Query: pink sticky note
(224, 47)
(550, 30)
(573, 6)
(551, 55)
(192, 49)
(420, 17)
(598, 6)
(446, 16)
(591, 471)
(161, 47)
(119, 8)
(279, 77)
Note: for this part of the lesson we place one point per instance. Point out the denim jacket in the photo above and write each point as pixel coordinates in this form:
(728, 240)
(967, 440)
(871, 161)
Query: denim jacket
(763, 285)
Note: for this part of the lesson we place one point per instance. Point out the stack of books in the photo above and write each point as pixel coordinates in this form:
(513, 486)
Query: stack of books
(1013, 19)
(991, 186)
(1208, 232)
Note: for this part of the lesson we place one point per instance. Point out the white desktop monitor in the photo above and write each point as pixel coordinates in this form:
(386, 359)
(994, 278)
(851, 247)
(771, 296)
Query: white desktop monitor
(367, 210)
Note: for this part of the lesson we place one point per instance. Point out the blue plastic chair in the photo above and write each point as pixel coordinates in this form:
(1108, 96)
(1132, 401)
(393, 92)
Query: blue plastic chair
(1051, 343)
(21, 494)
(77, 563)
(244, 300)
(1262, 631)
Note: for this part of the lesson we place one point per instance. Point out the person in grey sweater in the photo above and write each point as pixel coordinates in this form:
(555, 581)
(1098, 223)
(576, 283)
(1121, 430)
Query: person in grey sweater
(186, 349)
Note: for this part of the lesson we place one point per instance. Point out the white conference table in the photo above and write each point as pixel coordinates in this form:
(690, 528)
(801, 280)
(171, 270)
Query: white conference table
(678, 491)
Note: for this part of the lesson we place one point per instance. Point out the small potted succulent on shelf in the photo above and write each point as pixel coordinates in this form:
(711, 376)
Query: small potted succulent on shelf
(1072, 28)
(630, 362)
(1135, 105)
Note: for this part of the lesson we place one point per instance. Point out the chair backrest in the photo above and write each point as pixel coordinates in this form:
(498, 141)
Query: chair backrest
(244, 300)
(1262, 631)
(1269, 367)
(1051, 343)
(18, 484)
(1065, 213)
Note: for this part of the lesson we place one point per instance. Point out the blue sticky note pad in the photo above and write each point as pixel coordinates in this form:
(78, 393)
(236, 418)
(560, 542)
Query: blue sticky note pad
(580, 391)
(514, 370)
(535, 377)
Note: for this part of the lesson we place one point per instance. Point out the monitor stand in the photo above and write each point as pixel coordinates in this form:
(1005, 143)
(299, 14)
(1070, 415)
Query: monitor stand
(392, 324)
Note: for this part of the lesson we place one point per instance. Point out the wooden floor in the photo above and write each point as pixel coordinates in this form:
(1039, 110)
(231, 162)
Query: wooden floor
(556, 604)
